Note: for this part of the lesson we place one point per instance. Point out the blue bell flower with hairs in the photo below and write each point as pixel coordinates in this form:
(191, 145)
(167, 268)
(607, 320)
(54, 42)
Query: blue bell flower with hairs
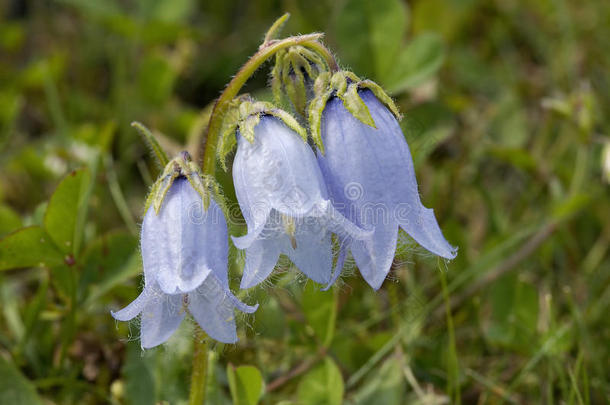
(184, 245)
(285, 203)
(368, 169)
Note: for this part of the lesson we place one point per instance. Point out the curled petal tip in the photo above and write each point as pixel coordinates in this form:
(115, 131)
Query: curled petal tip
(247, 283)
(133, 309)
(244, 242)
(243, 307)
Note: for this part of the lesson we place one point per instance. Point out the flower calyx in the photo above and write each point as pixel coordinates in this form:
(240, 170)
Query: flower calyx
(344, 85)
(296, 68)
(183, 166)
(243, 115)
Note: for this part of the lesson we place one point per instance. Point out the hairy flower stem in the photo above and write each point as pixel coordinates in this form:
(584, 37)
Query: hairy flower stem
(200, 368)
(267, 50)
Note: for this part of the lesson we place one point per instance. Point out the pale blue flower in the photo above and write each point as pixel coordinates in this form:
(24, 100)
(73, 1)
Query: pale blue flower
(184, 254)
(285, 203)
(370, 177)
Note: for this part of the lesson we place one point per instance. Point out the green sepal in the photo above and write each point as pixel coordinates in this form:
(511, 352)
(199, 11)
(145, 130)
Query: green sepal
(275, 28)
(246, 126)
(293, 68)
(244, 114)
(298, 83)
(316, 107)
(289, 120)
(183, 165)
(276, 83)
(345, 85)
(322, 83)
(354, 104)
(157, 150)
(381, 96)
(338, 82)
(226, 140)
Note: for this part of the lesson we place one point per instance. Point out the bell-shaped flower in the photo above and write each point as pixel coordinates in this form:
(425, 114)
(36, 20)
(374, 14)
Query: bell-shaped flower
(284, 201)
(184, 255)
(371, 180)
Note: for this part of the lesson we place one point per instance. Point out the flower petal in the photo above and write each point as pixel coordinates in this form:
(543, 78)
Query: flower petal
(343, 227)
(244, 242)
(313, 252)
(278, 170)
(243, 307)
(133, 309)
(213, 310)
(371, 180)
(160, 318)
(261, 257)
(214, 242)
(182, 244)
(423, 227)
(374, 257)
(339, 265)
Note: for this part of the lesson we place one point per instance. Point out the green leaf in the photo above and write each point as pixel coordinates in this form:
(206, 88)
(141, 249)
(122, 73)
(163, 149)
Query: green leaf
(514, 313)
(65, 206)
(370, 34)
(108, 261)
(28, 247)
(322, 386)
(35, 307)
(139, 381)
(385, 385)
(320, 309)
(156, 79)
(246, 384)
(570, 206)
(417, 62)
(9, 220)
(14, 387)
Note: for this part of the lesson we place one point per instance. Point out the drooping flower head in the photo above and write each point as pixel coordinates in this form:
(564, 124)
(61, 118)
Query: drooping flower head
(368, 169)
(184, 245)
(283, 198)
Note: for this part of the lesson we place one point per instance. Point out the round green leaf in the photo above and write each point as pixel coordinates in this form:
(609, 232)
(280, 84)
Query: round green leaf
(322, 386)
(28, 247)
(66, 203)
(246, 384)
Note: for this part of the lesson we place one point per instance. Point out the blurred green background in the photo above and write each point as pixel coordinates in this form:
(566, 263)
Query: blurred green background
(505, 106)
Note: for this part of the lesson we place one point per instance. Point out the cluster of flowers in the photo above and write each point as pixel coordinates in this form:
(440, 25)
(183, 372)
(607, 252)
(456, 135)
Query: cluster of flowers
(354, 180)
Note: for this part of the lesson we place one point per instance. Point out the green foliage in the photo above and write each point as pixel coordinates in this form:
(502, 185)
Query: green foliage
(386, 386)
(28, 247)
(320, 309)
(9, 220)
(372, 36)
(416, 63)
(246, 384)
(514, 306)
(323, 385)
(14, 387)
(64, 210)
(139, 381)
(371, 33)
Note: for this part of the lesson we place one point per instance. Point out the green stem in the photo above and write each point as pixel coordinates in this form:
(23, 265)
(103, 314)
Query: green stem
(208, 150)
(453, 373)
(325, 53)
(200, 368)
